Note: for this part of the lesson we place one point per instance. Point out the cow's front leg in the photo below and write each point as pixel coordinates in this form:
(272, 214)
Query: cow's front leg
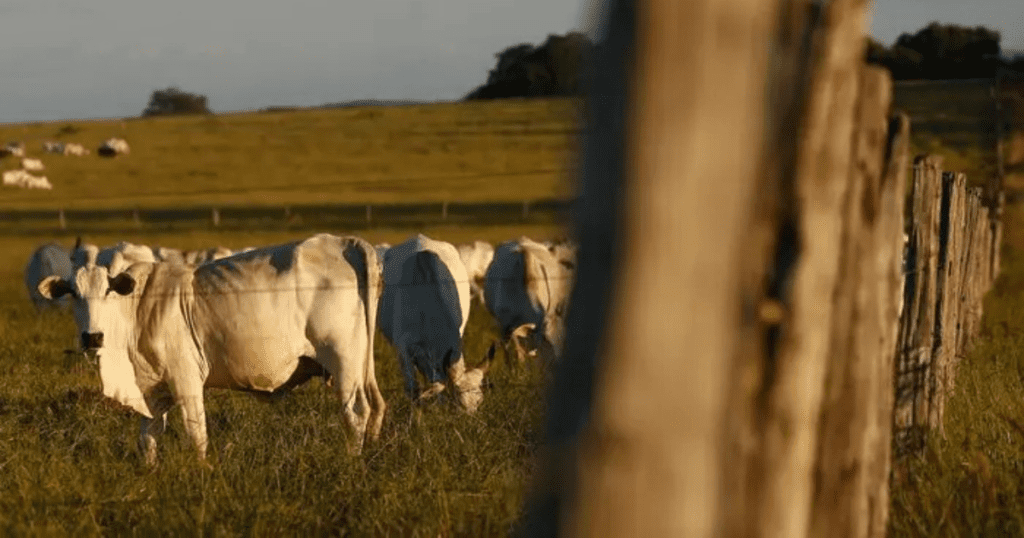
(150, 428)
(189, 395)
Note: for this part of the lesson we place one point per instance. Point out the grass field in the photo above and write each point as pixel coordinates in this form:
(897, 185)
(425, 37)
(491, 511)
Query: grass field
(68, 462)
(972, 482)
(512, 150)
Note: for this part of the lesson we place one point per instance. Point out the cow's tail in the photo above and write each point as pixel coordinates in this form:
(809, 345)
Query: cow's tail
(372, 292)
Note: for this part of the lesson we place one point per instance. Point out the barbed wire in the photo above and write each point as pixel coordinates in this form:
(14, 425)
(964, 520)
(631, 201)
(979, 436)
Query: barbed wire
(321, 287)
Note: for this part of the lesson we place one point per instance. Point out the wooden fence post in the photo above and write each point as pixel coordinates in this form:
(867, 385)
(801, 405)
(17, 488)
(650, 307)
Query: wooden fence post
(851, 486)
(215, 217)
(914, 380)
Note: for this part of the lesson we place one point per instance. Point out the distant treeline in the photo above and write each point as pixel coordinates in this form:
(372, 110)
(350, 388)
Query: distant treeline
(554, 68)
(943, 51)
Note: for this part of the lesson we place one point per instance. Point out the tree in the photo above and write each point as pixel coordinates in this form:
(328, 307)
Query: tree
(554, 68)
(941, 51)
(172, 100)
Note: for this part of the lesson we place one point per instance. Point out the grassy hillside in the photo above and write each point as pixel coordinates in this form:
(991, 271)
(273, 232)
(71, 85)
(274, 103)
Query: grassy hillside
(481, 151)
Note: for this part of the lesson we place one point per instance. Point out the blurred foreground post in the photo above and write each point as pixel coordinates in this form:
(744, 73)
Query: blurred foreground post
(728, 368)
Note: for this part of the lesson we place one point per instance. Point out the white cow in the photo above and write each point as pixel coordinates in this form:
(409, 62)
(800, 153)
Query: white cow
(34, 165)
(112, 147)
(15, 148)
(25, 180)
(423, 313)
(264, 321)
(77, 150)
(54, 147)
(477, 256)
(48, 260)
(527, 290)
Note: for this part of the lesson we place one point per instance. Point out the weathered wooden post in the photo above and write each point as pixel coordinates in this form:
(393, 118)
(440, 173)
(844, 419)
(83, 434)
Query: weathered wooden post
(915, 387)
(689, 399)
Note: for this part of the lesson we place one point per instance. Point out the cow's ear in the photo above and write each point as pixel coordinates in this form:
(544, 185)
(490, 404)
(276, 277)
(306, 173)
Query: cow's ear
(54, 287)
(123, 283)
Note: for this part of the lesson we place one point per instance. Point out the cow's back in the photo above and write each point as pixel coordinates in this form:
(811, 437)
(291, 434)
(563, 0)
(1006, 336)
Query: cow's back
(426, 300)
(260, 311)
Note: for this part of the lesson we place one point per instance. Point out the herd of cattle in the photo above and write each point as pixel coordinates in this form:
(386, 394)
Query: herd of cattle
(23, 178)
(164, 324)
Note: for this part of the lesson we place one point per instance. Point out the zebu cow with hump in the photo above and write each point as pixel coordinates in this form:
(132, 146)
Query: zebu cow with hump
(423, 313)
(265, 321)
(50, 259)
(526, 290)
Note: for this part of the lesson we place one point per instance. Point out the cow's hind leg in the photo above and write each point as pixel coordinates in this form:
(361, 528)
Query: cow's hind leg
(346, 368)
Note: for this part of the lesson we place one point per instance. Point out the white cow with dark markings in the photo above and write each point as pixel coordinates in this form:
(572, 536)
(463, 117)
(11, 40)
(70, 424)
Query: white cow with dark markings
(264, 321)
(527, 290)
(423, 313)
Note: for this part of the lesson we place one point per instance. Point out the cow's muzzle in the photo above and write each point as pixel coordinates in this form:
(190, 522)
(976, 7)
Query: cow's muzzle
(92, 341)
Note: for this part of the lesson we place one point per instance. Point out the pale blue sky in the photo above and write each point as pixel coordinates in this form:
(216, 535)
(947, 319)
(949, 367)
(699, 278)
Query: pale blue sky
(68, 59)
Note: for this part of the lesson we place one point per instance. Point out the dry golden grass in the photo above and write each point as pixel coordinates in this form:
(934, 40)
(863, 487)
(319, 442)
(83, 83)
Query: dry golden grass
(481, 151)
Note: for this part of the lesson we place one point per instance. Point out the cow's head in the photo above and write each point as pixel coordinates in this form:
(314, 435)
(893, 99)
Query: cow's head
(99, 306)
(469, 383)
(105, 317)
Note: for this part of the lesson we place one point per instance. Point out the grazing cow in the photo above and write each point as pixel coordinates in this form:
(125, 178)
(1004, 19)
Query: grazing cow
(25, 180)
(423, 313)
(34, 165)
(15, 148)
(526, 290)
(54, 147)
(48, 260)
(112, 147)
(476, 257)
(77, 150)
(265, 321)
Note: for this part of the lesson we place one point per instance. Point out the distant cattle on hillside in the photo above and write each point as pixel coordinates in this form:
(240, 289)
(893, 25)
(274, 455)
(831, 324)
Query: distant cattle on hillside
(32, 164)
(113, 147)
(25, 180)
(14, 148)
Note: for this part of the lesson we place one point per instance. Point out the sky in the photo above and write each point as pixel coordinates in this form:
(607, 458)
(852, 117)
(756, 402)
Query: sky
(69, 59)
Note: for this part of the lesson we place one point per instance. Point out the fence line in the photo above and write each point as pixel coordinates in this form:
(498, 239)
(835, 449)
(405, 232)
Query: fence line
(353, 216)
